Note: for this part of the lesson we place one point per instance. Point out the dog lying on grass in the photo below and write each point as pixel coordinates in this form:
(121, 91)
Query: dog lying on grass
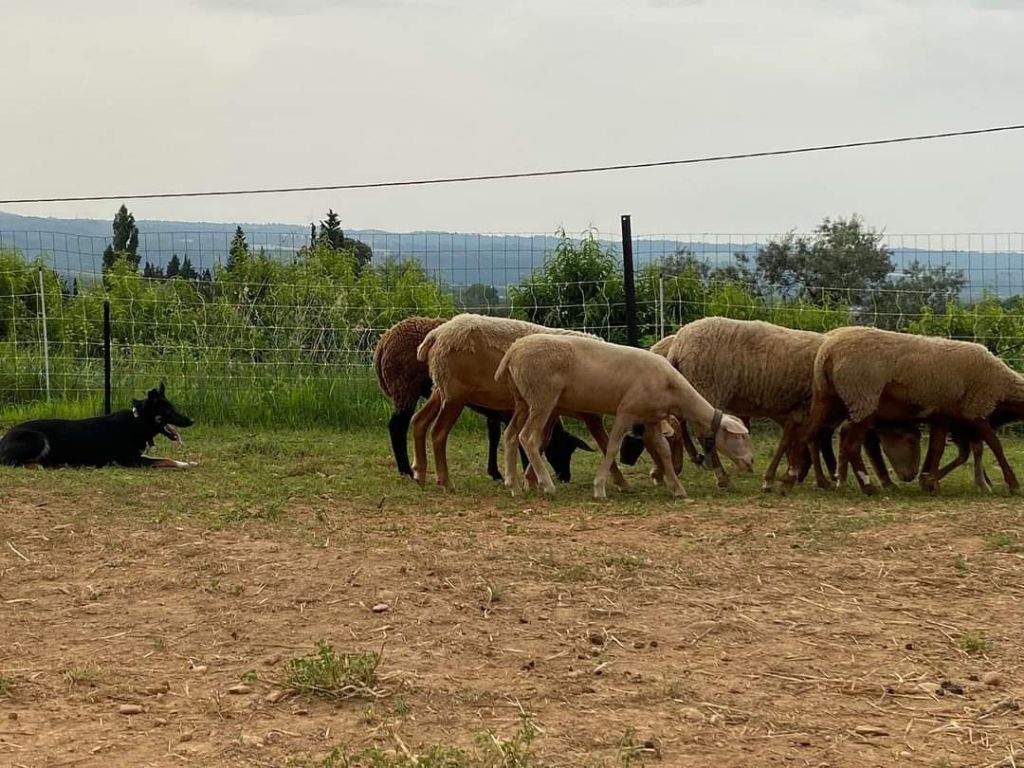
(120, 438)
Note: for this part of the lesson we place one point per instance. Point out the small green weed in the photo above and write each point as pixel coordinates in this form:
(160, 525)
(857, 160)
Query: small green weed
(569, 573)
(974, 643)
(1003, 542)
(338, 675)
(6, 685)
(960, 565)
(250, 676)
(86, 675)
(624, 561)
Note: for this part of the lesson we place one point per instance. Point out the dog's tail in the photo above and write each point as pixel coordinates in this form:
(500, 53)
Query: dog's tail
(423, 350)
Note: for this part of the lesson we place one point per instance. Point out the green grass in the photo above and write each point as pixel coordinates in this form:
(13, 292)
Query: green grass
(335, 675)
(285, 477)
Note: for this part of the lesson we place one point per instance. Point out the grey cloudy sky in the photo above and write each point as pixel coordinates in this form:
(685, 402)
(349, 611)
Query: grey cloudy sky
(108, 97)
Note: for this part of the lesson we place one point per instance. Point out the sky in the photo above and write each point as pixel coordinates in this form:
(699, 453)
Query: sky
(117, 97)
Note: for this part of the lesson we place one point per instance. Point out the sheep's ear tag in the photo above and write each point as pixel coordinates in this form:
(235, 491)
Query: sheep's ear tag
(708, 441)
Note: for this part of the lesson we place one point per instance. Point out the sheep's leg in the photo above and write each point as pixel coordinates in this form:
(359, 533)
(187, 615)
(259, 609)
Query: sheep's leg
(493, 437)
(512, 447)
(828, 455)
(449, 414)
(596, 426)
(929, 480)
(531, 437)
(980, 476)
(662, 454)
(620, 427)
(873, 447)
(398, 429)
(773, 466)
(851, 442)
(691, 450)
(420, 424)
(963, 452)
(984, 429)
(724, 481)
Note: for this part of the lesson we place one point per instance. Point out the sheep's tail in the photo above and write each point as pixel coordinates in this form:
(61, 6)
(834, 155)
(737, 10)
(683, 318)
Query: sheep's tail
(502, 372)
(423, 350)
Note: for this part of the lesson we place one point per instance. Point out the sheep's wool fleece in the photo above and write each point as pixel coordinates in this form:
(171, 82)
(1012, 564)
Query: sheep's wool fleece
(469, 333)
(401, 376)
(951, 377)
(748, 367)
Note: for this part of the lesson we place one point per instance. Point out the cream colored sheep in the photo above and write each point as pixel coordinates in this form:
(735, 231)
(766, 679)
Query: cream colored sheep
(550, 375)
(759, 370)
(462, 355)
(404, 380)
(866, 374)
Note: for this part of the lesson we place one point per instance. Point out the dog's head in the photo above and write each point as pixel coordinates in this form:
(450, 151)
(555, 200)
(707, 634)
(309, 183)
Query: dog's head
(160, 414)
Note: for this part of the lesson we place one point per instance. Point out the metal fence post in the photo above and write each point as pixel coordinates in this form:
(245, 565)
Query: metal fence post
(46, 343)
(661, 307)
(632, 331)
(106, 357)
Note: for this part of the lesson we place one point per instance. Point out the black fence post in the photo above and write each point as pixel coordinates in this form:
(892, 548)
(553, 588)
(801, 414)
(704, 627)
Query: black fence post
(106, 357)
(632, 331)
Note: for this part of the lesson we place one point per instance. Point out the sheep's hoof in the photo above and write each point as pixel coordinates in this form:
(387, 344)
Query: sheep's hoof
(768, 486)
(826, 485)
(869, 489)
(680, 493)
(724, 483)
(599, 492)
(1014, 490)
(699, 459)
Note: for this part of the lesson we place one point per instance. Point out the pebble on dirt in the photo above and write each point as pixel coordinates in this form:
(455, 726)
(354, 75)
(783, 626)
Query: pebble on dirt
(130, 709)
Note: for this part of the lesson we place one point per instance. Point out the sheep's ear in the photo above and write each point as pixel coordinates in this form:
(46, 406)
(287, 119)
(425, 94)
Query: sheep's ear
(734, 426)
(581, 444)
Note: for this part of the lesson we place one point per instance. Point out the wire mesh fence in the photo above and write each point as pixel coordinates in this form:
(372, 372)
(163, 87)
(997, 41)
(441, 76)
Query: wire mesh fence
(286, 334)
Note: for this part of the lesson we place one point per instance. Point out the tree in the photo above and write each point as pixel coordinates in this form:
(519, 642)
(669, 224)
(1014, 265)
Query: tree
(187, 270)
(841, 262)
(331, 233)
(915, 290)
(480, 298)
(332, 236)
(125, 240)
(152, 272)
(238, 250)
(173, 266)
(580, 286)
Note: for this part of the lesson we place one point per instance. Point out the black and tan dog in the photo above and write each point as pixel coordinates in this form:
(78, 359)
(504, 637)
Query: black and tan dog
(120, 438)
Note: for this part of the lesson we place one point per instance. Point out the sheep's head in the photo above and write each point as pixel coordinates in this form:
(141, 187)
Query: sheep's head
(902, 446)
(733, 439)
(560, 450)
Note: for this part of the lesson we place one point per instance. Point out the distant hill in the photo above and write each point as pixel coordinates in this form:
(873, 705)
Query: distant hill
(75, 246)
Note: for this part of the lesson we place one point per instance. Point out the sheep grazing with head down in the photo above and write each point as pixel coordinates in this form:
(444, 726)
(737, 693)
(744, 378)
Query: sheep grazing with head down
(866, 375)
(404, 379)
(550, 375)
(462, 355)
(760, 370)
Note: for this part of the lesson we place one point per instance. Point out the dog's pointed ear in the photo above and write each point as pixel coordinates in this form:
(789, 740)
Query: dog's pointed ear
(581, 444)
(161, 387)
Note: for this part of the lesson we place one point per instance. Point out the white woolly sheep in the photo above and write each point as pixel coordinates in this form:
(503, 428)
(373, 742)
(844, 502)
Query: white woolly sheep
(759, 370)
(550, 375)
(404, 380)
(462, 355)
(867, 375)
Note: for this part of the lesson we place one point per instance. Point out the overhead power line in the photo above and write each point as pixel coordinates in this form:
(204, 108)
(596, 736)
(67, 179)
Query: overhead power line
(519, 175)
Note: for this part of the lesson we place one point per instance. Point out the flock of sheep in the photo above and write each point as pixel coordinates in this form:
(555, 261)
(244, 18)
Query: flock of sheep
(877, 388)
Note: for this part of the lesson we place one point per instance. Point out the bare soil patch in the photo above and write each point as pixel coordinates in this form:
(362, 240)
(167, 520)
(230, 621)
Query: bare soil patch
(758, 634)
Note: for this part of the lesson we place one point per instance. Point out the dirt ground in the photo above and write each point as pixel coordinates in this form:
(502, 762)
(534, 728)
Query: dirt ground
(688, 635)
